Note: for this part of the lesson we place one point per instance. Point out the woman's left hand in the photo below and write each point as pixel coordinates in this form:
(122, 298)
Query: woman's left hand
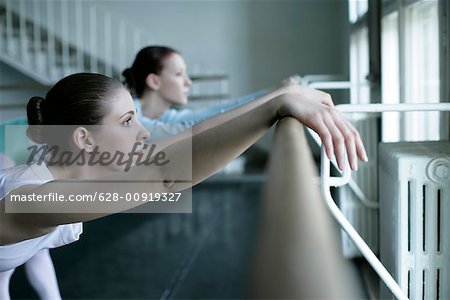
(316, 110)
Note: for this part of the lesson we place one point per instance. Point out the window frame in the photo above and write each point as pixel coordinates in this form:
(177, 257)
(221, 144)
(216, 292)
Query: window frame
(372, 19)
(401, 7)
(444, 56)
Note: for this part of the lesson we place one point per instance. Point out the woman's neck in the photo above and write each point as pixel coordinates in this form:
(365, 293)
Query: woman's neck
(153, 105)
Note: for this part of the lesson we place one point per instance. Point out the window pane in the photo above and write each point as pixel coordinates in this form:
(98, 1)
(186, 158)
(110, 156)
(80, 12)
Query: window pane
(390, 84)
(352, 10)
(359, 66)
(356, 9)
(422, 68)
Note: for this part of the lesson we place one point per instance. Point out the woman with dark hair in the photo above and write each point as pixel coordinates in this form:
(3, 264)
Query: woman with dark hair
(149, 60)
(158, 78)
(99, 119)
(39, 268)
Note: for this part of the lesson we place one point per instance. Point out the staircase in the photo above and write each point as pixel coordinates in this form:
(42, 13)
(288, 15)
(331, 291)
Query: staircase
(49, 39)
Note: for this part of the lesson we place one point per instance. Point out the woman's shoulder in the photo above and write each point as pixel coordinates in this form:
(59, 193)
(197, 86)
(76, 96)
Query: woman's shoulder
(14, 172)
(15, 177)
(38, 171)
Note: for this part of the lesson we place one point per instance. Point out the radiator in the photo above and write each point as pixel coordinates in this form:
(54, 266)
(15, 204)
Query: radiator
(363, 218)
(415, 217)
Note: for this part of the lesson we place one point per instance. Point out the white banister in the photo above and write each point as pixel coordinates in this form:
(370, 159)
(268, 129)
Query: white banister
(402, 107)
(50, 40)
(93, 37)
(22, 31)
(65, 59)
(350, 230)
(71, 35)
(79, 26)
(122, 50)
(36, 33)
(9, 26)
(327, 182)
(108, 45)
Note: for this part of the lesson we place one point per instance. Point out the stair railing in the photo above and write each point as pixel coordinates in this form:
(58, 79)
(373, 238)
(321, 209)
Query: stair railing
(53, 38)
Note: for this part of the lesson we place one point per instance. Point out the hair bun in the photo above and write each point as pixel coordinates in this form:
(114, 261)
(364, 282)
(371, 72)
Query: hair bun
(35, 111)
(35, 115)
(130, 81)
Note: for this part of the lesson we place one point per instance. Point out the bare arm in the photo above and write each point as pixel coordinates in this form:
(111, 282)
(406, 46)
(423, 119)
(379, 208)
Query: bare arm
(229, 134)
(218, 140)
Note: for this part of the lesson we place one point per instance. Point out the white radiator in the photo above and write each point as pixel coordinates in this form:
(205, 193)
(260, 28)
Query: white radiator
(362, 217)
(415, 217)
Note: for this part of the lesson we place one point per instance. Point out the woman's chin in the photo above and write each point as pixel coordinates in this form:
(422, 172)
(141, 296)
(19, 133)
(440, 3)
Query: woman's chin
(180, 102)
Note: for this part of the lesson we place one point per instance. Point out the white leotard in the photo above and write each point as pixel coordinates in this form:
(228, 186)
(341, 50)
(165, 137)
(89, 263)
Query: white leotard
(14, 255)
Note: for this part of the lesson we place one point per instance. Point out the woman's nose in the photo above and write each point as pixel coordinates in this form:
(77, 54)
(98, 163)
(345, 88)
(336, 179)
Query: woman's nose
(187, 81)
(144, 134)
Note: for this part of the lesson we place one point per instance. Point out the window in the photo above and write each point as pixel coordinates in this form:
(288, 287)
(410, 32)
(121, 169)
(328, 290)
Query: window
(359, 66)
(357, 8)
(390, 67)
(359, 52)
(410, 66)
(410, 55)
(421, 71)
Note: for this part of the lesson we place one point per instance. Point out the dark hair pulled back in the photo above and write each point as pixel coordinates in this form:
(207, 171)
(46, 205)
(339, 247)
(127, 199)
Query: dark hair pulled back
(148, 60)
(78, 99)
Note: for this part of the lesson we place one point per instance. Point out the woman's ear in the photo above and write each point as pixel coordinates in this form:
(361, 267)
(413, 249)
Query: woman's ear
(83, 139)
(152, 81)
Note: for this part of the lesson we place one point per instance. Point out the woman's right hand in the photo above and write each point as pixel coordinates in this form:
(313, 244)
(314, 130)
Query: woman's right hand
(316, 110)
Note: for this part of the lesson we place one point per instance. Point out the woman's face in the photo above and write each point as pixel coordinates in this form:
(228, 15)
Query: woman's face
(121, 131)
(174, 81)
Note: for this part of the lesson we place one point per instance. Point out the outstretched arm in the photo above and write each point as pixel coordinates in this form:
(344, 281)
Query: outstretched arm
(217, 141)
(173, 123)
(227, 135)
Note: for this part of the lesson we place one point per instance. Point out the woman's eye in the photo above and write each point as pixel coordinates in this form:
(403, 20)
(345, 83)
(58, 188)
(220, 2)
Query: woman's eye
(127, 122)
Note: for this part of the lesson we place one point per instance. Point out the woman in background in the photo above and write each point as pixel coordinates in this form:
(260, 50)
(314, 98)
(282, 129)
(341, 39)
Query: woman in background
(158, 78)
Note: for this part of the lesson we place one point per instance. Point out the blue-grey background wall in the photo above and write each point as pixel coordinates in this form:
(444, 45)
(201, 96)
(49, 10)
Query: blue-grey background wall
(257, 43)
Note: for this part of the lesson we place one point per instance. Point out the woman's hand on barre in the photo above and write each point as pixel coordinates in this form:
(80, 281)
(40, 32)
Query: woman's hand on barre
(316, 110)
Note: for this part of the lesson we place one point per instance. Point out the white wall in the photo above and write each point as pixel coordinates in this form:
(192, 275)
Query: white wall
(257, 43)
(15, 91)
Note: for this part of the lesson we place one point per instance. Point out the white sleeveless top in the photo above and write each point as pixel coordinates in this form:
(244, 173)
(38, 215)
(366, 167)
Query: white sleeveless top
(14, 255)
